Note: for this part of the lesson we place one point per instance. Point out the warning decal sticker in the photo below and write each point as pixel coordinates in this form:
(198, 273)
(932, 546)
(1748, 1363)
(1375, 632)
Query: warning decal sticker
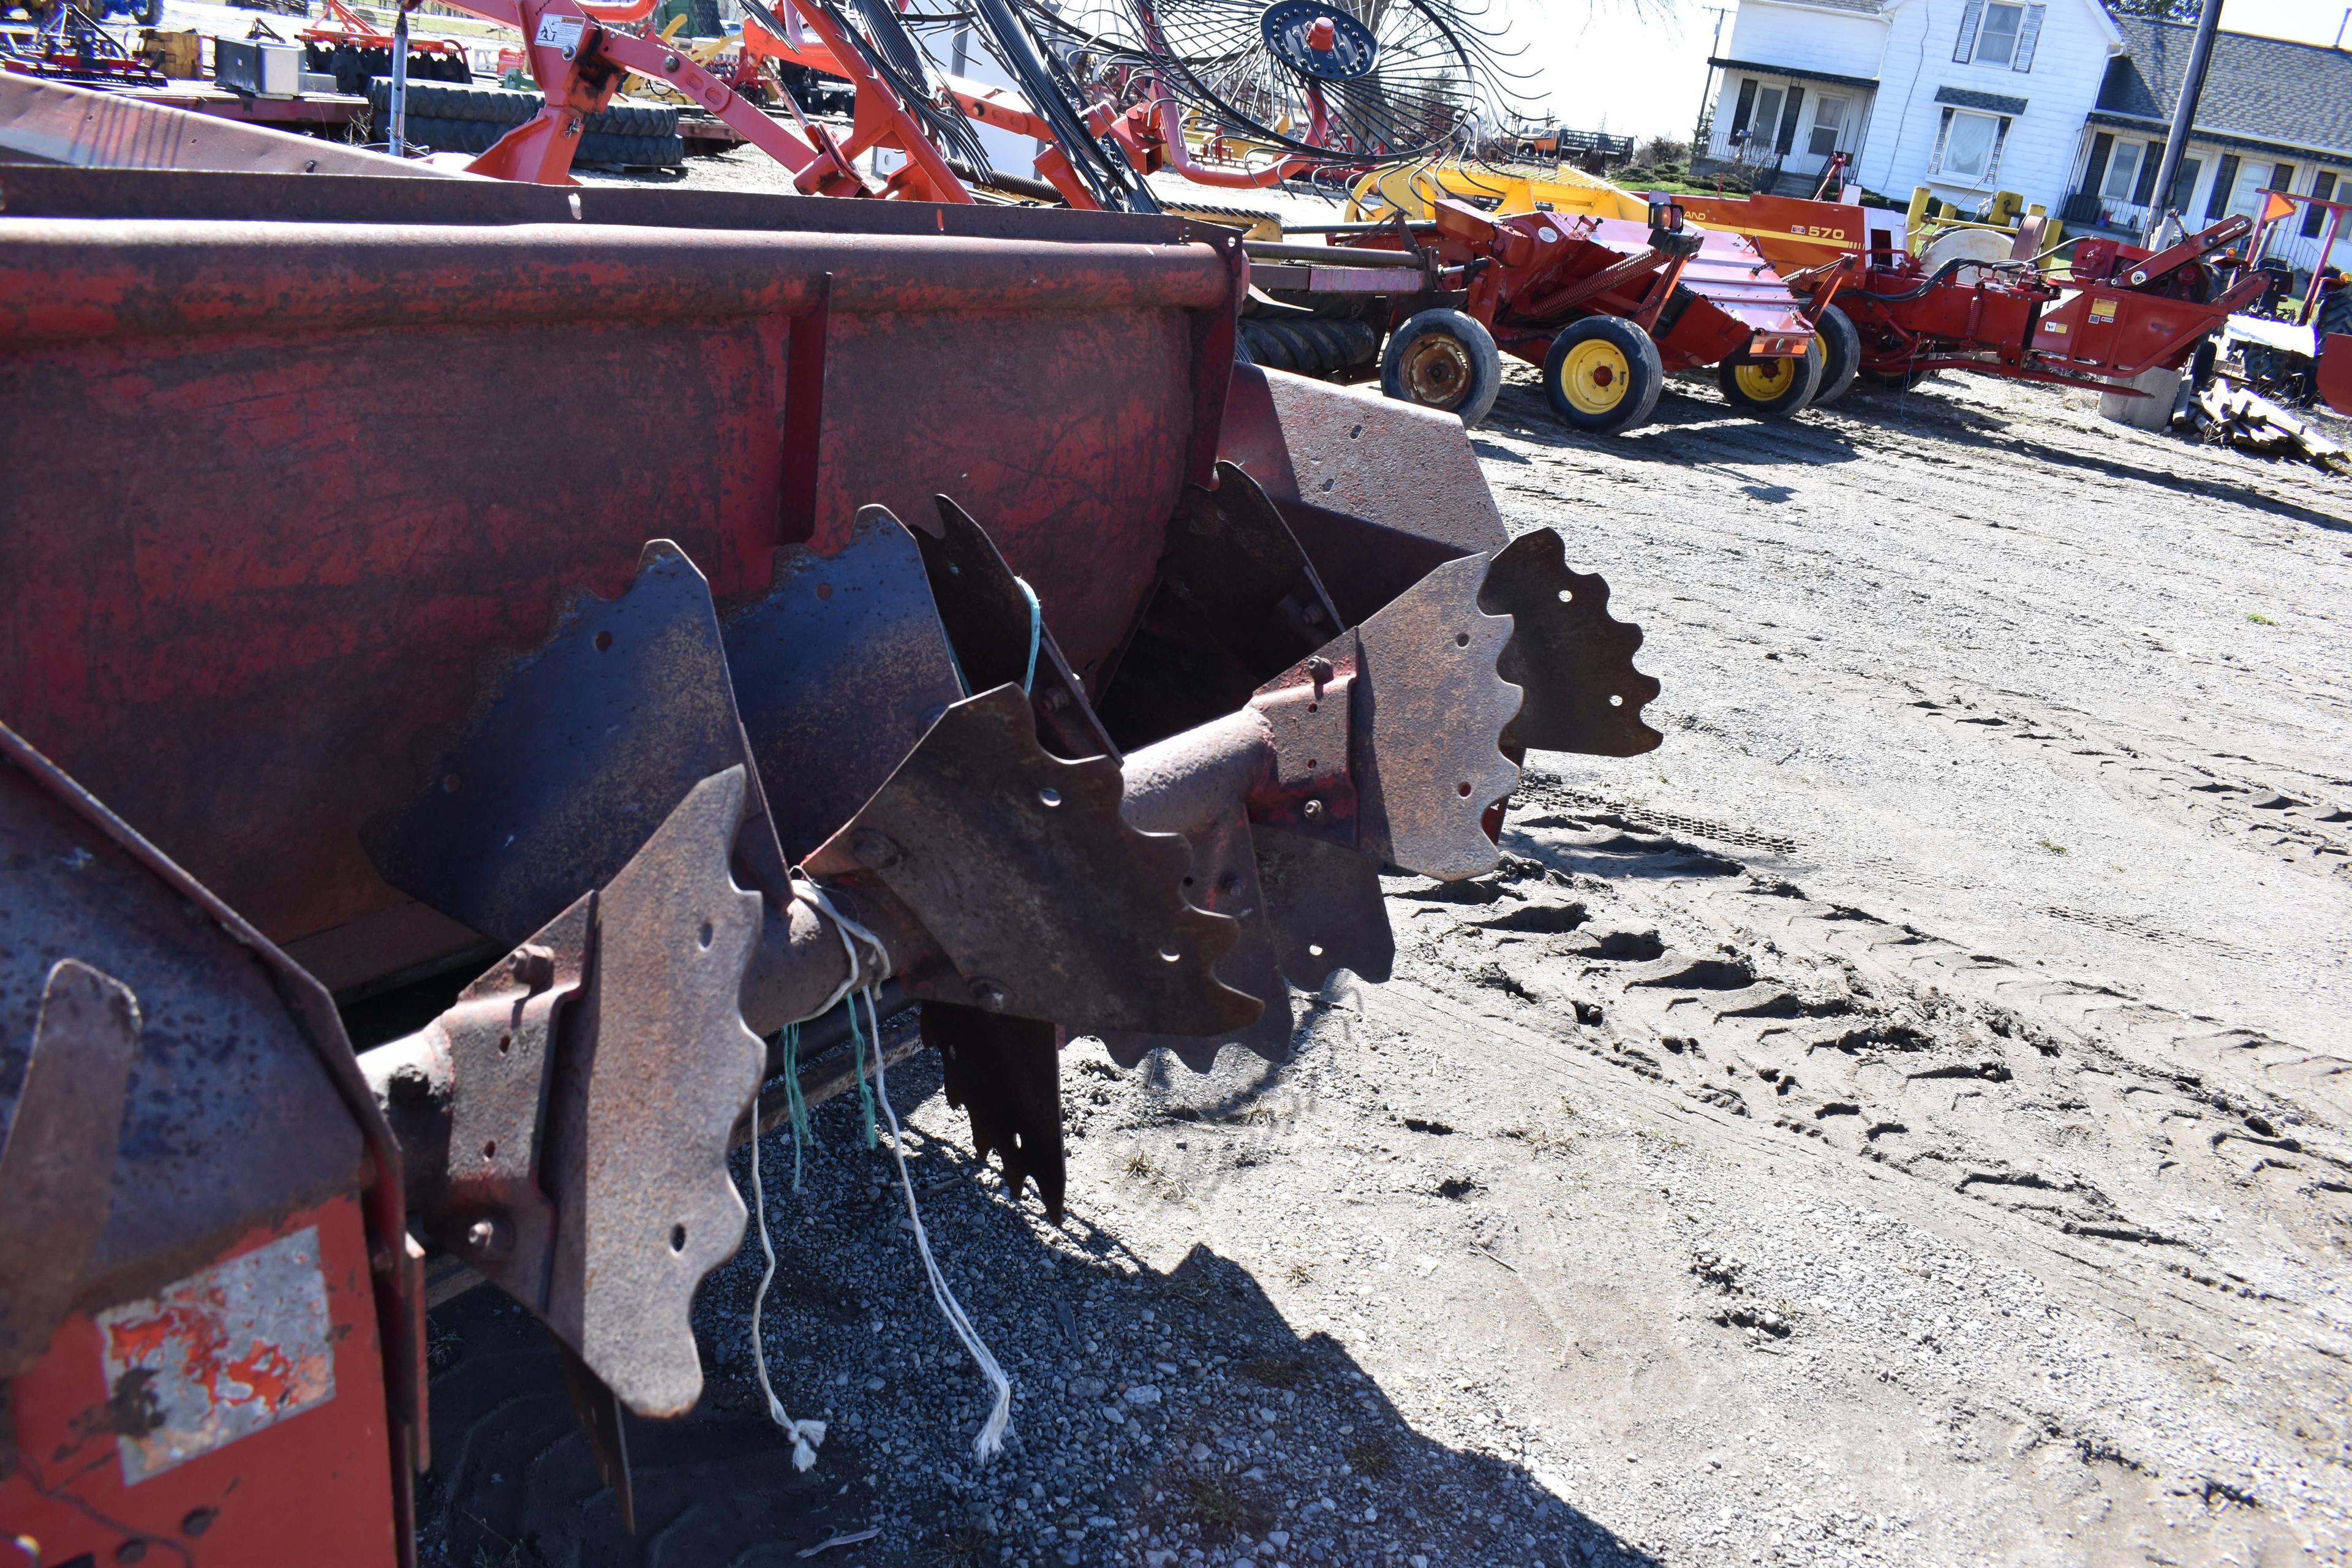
(220, 1354)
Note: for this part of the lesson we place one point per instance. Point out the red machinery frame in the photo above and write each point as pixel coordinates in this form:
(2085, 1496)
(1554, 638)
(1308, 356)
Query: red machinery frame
(343, 24)
(2116, 312)
(580, 52)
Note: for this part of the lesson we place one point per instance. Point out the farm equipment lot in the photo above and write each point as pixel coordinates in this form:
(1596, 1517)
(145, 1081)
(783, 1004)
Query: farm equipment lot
(1903, 1119)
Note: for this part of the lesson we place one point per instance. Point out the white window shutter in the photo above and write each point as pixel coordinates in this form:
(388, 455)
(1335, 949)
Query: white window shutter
(1943, 133)
(1999, 140)
(1967, 46)
(2027, 34)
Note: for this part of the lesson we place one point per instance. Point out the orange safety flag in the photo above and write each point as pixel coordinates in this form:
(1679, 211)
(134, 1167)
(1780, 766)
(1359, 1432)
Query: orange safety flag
(2278, 206)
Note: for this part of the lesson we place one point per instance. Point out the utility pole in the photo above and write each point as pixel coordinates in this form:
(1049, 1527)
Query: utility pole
(1707, 94)
(2184, 113)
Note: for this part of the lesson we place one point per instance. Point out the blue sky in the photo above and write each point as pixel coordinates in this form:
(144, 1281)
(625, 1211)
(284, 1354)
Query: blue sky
(1639, 66)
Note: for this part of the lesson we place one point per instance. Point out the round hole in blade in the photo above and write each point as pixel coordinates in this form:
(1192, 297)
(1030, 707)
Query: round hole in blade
(603, 642)
(1615, 701)
(491, 1150)
(1565, 596)
(677, 1238)
(705, 934)
(1170, 956)
(823, 591)
(1461, 639)
(506, 1044)
(1463, 790)
(1050, 795)
(1314, 950)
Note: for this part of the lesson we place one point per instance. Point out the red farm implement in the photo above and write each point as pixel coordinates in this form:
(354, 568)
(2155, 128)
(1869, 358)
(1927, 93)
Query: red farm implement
(351, 48)
(1606, 307)
(419, 833)
(2114, 314)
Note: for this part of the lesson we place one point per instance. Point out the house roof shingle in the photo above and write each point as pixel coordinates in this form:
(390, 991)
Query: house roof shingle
(2266, 90)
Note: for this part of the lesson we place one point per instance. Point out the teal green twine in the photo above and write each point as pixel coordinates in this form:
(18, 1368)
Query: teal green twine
(865, 1086)
(1036, 635)
(795, 1106)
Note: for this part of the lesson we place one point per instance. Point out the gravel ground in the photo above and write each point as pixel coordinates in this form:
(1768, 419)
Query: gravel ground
(1901, 1120)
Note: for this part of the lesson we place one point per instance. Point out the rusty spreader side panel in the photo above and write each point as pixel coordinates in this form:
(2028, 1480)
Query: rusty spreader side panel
(322, 476)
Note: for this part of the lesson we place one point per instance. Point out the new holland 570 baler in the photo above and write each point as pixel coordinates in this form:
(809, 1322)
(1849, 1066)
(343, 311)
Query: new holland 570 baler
(637, 619)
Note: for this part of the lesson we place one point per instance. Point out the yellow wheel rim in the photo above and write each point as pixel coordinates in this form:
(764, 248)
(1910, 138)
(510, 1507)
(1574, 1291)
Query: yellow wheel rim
(1595, 376)
(1765, 379)
(1437, 371)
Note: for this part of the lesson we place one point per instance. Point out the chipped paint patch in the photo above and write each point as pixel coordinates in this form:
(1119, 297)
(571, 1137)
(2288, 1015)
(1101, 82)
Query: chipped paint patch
(221, 1355)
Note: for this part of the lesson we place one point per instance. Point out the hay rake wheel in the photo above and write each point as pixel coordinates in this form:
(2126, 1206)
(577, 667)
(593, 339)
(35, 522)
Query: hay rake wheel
(1387, 78)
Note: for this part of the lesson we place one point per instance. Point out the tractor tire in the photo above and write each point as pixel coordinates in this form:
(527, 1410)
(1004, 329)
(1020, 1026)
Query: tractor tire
(1603, 376)
(1265, 348)
(438, 101)
(1841, 355)
(440, 135)
(631, 120)
(631, 151)
(1444, 360)
(1776, 388)
(150, 13)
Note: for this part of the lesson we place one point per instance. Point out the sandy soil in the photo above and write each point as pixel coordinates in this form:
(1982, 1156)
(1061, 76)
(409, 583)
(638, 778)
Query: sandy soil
(1901, 1120)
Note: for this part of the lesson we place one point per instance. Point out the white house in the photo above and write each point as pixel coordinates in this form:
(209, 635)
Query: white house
(2273, 116)
(2064, 101)
(1965, 97)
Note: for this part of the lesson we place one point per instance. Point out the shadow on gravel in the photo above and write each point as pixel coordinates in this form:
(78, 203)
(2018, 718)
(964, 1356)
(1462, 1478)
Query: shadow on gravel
(1521, 413)
(1181, 1406)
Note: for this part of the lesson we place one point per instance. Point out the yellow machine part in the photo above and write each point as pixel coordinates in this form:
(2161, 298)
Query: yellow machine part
(1410, 188)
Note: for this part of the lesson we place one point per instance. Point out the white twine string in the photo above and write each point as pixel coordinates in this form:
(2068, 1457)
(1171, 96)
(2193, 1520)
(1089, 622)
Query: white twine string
(991, 1441)
(806, 1434)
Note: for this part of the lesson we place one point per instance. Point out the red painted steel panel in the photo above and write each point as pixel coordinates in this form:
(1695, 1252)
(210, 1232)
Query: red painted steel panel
(235, 1417)
(287, 490)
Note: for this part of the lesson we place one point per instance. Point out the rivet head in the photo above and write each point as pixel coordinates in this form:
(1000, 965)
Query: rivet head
(1313, 810)
(875, 848)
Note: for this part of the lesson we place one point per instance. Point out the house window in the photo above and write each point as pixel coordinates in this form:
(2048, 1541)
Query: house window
(2123, 171)
(1997, 35)
(1768, 113)
(1829, 118)
(1971, 147)
(2314, 216)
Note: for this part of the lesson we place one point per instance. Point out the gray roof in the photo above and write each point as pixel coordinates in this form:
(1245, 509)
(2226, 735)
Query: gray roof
(2264, 90)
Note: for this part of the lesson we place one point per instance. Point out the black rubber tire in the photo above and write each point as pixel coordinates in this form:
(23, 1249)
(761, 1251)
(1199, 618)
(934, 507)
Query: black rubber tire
(1795, 391)
(632, 152)
(439, 135)
(506, 107)
(1330, 343)
(1450, 359)
(1266, 349)
(444, 101)
(1634, 372)
(1362, 340)
(150, 13)
(1841, 355)
(633, 119)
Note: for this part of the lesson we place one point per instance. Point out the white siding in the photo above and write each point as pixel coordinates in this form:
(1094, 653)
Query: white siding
(2042, 149)
(1842, 43)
